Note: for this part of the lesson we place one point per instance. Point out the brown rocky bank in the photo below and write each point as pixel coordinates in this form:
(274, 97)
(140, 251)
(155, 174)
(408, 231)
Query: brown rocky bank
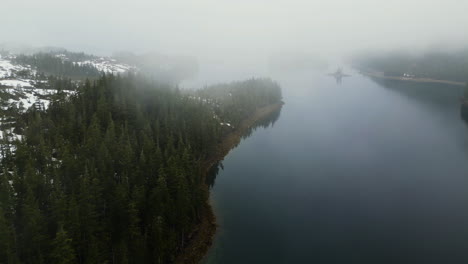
(202, 237)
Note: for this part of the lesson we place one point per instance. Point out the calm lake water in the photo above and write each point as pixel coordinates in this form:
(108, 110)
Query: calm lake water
(361, 172)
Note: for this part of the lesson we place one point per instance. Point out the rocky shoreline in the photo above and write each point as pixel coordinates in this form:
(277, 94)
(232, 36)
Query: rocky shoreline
(202, 237)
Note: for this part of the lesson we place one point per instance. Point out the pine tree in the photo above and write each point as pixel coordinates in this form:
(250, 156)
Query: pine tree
(62, 248)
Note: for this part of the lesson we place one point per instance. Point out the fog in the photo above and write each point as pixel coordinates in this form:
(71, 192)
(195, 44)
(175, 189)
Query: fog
(349, 146)
(241, 32)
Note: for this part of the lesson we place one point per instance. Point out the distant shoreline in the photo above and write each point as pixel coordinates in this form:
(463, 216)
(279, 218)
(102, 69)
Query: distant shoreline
(202, 237)
(410, 79)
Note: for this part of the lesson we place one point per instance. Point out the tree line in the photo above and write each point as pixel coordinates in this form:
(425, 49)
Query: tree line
(52, 64)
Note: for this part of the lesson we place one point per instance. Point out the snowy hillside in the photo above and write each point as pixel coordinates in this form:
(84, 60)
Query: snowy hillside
(21, 89)
(30, 83)
(108, 65)
(22, 99)
(22, 86)
(10, 70)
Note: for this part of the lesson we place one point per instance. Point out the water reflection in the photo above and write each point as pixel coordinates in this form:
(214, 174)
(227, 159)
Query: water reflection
(266, 122)
(464, 112)
(212, 173)
(269, 120)
(338, 75)
(433, 94)
(372, 174)
(442, 100)
(338, 79)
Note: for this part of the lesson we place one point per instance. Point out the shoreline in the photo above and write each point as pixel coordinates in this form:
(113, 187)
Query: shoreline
(421, 80)
(203, 235)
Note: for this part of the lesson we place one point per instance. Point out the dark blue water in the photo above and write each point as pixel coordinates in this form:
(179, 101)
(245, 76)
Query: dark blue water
(361, 172)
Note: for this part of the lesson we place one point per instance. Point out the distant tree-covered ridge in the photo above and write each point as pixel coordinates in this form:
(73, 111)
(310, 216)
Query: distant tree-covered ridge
(112, 173)
(57, 65)
(78, 66)
(451, 66)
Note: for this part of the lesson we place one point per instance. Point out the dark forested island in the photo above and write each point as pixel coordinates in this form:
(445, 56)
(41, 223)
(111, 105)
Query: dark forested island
(115, 171)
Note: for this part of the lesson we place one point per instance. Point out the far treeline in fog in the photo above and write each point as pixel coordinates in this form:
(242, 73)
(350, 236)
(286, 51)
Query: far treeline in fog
(452, 66)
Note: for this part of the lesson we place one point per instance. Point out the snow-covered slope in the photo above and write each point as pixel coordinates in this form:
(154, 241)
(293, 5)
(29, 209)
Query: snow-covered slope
(19, 87)
(8, 69)
(108, 65)
(23, 99)
(23, 89)
(23, 76)
(20, 90)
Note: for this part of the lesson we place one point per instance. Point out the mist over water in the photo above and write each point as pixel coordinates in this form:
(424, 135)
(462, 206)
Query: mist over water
(361, 172)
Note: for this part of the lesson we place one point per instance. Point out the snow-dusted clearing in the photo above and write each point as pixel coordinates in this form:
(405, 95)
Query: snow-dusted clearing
(20, 100)
(21, 89)
(25, 98)
(108, 65)
(19, 92)
(16, 83)
(7, 69)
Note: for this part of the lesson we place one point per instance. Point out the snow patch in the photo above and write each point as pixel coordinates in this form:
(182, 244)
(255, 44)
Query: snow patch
(107, 65)
(8, 69)
(15, 83)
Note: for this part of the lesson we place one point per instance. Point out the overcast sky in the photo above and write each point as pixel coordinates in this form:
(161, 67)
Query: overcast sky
(233, 29)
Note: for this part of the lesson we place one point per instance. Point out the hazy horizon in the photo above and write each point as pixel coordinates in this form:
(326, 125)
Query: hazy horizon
(236, 31)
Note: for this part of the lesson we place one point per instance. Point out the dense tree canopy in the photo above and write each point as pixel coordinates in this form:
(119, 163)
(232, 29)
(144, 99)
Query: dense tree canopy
(235, 101)
(112, 174)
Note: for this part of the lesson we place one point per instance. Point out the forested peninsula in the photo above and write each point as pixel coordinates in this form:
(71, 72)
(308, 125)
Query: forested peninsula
(115, 172)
